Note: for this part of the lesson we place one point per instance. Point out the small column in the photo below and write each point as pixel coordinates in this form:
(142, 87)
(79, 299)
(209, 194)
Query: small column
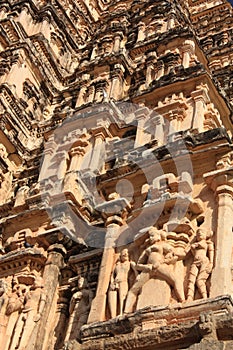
(113, 224)
(48, 153)
(90, 94)
(150, 68)
(98, 307)
(117, 42)
(160, 69)
(98, 149)
(117, 81)
(141, 116)
(100, 87)
(158, 121)
(77, 154)
(171, 21)
(201, 98)
(83, 89)
(51, 280)
(188, 49)
(221, 182)
(61, 159)
(141, 31)
(45, 28)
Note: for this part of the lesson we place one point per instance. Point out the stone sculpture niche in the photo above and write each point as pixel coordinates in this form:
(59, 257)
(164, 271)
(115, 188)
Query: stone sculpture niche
(22, 309)
(174, 273)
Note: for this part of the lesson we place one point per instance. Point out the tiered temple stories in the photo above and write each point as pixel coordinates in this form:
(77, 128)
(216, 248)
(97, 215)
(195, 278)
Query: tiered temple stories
(116, 175)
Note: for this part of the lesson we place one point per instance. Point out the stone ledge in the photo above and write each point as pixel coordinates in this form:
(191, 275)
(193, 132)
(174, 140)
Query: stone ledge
(167, 327)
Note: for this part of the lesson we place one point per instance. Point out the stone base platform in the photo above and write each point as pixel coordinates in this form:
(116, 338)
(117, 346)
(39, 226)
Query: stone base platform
(198, 325)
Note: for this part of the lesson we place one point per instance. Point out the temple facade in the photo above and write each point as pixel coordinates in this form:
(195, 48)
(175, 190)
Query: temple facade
(116, 175)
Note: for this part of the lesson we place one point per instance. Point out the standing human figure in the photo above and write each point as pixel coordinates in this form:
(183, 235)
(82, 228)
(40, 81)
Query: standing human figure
(119, 284)
(79, 309)
(33, 307)
(13, 311)
(202, 265)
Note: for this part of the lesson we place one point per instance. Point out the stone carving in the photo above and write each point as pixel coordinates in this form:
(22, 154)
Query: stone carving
(119, 283)
(3, 289)
(79, 309)
(156, 261)
(13, 309)
(16, 298)
(5, 186)
(21, 194)
(34, 302)
(203, 256)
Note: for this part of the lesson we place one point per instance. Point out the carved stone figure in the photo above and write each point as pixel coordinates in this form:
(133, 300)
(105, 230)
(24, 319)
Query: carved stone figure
(21, 194)
(119, 284)
(13, 309)
(203, 256)
(16, 300)
(156, 261)
(3, 289)
(79, 309)
(5, 186)
(33, 307)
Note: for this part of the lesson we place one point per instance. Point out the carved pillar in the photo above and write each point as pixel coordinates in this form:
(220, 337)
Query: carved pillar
(117, 79)
(61, 158)
(171, 21)
(98, 148)
(3, 12)
(221, 182)
(150, 68)
(117, 42)
(82, 92)
(100, 87)
(98, 307)
(158, 121)
(160, 69)
(200, 97)
(90, 94)
(48, 154)
(51, 278)
(141, 31)
(45, 28)
(77, 154)
(188, 49)
(141, 116)
(113, 224)
(62, 317)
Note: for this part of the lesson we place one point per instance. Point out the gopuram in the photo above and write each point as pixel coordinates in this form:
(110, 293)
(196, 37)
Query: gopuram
(116, 175)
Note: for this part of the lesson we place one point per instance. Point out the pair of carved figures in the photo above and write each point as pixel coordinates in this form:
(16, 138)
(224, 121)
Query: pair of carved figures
(158, 261)
(23, 309)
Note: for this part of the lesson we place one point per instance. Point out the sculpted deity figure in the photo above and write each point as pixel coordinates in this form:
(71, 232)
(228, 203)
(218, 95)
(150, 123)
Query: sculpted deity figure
(79, 309)
(203, 256)
(33, 307)
(156, 261)
(13, 309)
(119, 283)
(3, 289)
